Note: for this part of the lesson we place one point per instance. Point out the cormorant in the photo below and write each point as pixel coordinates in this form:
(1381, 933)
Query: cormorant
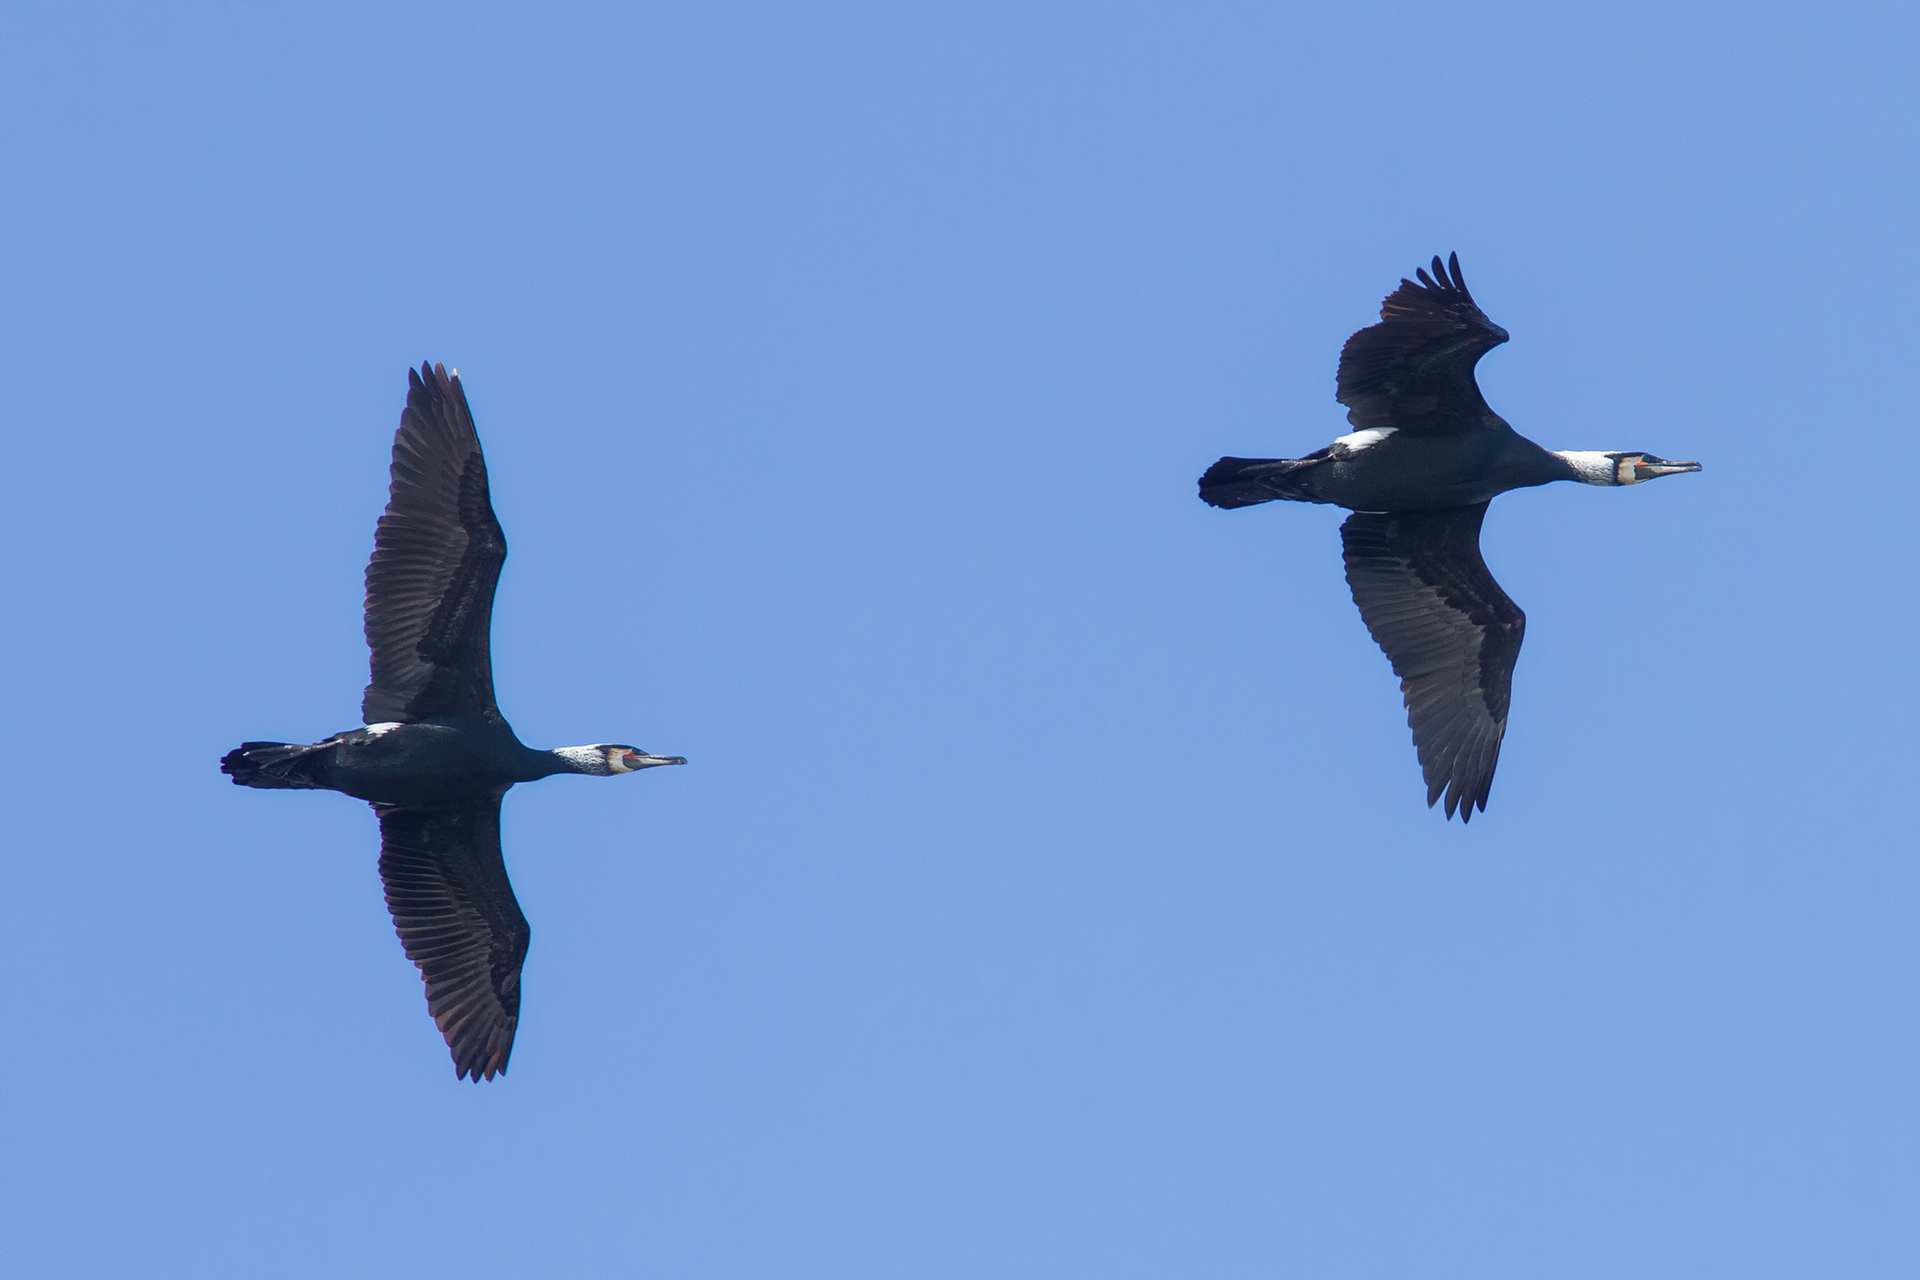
(1425, 457)
(436, 756)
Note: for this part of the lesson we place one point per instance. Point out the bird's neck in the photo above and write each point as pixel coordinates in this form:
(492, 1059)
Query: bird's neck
(1589, 467)
(588, 760)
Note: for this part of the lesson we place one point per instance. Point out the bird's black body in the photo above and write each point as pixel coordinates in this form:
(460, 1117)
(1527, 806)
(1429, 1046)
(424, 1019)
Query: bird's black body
(1426, 456)
(437, 756)
(440, 761)
(1400, 473)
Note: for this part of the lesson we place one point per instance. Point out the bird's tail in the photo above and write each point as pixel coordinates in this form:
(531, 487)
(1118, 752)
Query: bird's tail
(1242, 482)
(274, 765)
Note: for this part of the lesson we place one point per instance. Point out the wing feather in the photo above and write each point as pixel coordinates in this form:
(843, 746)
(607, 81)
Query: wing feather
(1452, 636)
(436, 560)
(455, 912)
(1414, 370)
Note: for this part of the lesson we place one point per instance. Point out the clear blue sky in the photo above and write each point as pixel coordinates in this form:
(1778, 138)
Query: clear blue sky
(1051, 893)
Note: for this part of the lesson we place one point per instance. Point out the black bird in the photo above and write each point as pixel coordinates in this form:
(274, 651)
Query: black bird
(1424, 459)
(436, 755)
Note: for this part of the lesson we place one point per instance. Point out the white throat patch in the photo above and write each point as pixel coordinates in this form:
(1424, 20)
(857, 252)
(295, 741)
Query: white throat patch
(1589, 466)
(589, 759)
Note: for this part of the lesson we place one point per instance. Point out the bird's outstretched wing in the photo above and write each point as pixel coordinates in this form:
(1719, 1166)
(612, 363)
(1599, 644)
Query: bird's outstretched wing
(456, 916)
(1414, 370)
(436, 559)
(1449, 630)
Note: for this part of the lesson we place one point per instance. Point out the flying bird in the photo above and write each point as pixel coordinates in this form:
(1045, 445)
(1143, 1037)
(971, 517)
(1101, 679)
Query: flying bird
(1425, 457)
(436, 756)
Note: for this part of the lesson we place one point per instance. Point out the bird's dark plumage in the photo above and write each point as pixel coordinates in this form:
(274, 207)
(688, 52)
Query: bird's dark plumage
(1414, 370)
(1449, 630)
(1426, 456)
(437, 554)
(458, 920)
(437, 756)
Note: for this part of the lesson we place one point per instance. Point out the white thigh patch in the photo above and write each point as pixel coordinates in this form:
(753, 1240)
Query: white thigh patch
(1360, 440)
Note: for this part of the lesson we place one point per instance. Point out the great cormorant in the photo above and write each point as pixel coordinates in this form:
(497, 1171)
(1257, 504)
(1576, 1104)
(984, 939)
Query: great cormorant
(436, 756)
(1425, 457)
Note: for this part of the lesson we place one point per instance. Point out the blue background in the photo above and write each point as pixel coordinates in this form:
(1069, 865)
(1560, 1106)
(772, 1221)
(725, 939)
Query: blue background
(1051, 892)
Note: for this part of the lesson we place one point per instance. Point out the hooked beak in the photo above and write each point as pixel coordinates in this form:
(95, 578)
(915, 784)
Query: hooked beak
(641, 760)
(1651, 468)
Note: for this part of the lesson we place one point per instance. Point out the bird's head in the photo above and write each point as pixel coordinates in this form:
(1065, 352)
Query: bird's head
(603, 759)
(624, 759)
(1621, 468)
(1632, 468)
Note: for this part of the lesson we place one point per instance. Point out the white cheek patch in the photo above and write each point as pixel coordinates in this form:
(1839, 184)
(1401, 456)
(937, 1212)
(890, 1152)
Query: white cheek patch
(1359, 441)
(617, 761)
(1624, 474)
